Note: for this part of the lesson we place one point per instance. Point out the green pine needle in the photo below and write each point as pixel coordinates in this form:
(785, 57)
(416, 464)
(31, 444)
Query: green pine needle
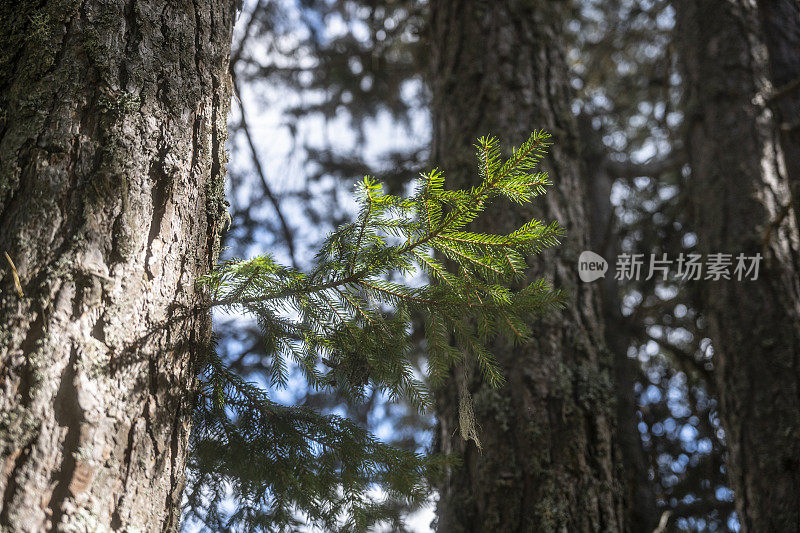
(346, 326)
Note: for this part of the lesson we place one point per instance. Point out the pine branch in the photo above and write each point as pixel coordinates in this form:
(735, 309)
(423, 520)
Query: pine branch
(346, 326)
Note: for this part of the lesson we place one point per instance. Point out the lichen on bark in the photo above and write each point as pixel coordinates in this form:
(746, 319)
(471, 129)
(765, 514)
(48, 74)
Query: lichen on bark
(112, 161)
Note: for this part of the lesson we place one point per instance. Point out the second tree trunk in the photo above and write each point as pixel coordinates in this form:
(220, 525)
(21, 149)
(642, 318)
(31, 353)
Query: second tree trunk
(740, 192)
(550, 461)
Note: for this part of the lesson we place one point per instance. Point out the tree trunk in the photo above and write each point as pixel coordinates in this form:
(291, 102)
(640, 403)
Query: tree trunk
(550, 460)
(112, 132)
(740, 189)
(780, 28)
(642, 513)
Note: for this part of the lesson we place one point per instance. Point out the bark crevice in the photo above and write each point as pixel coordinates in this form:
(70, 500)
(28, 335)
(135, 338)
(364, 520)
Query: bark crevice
(69, 415)
(104, 155)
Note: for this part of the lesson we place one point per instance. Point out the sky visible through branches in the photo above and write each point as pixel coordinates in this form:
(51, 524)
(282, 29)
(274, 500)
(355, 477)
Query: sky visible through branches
(285, 198)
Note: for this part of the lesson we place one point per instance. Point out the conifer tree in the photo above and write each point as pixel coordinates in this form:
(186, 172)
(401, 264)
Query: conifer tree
(112, 167)
(741, 203)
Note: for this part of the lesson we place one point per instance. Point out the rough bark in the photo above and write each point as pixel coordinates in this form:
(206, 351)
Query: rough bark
(780, 28)
(112, 130)
(550, 460)
(739, 186)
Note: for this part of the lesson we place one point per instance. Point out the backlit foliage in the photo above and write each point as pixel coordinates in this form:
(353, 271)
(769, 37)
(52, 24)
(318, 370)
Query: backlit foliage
(346, 325)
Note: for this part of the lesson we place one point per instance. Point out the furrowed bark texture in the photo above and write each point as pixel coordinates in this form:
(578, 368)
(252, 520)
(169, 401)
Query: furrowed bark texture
(550, 460)
(739, 189)
(780, 28)
(112, 131)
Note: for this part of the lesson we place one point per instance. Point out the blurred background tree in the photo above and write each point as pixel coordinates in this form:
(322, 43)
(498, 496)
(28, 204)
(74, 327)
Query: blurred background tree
(330, 90)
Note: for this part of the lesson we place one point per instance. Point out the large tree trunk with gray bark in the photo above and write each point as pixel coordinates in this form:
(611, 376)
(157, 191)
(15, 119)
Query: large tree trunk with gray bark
(740, 189)
(550, 459)
(112, 131)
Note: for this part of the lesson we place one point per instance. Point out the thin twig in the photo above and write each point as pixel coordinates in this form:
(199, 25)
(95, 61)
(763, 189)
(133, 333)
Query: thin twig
(287, 232)
(237, 53)
(293, 292)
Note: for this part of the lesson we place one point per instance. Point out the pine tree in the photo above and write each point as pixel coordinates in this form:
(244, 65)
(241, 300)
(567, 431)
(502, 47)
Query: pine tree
(651, 214)
(346, 325)
(741, 202)
(112, 171)
(550, 460)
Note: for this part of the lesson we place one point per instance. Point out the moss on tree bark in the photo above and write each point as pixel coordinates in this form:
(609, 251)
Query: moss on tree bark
(112, 130)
